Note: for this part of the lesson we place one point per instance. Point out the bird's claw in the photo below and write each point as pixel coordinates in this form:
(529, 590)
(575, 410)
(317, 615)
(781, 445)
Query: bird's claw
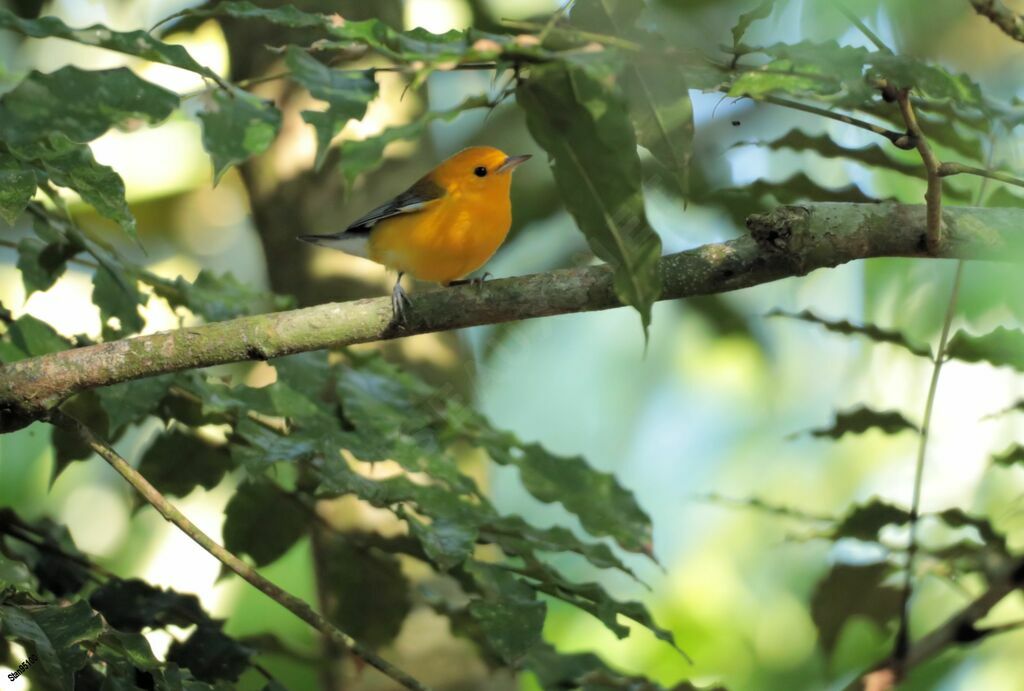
(399, 302)
(475, 281)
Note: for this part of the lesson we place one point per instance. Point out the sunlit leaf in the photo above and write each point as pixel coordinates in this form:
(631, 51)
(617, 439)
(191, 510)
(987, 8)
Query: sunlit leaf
(585, 128)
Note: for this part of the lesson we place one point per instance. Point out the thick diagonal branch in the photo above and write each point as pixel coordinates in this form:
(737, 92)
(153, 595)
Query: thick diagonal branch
(1011, 23)
(790, 241)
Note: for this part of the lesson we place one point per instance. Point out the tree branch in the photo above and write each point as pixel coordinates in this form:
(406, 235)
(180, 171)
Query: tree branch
(271, 590)
(1002, 16)
(789, 241)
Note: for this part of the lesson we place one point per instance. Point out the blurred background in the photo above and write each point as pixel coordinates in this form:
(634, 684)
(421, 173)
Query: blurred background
(697, 427)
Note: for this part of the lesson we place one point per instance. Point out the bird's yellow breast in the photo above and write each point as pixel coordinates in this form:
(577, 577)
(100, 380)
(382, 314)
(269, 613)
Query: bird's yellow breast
(451, 238)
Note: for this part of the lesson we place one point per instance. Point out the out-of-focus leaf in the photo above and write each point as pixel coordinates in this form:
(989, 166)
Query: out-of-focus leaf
(875, 333)
(134, 605)
(557, 670)
(509, 614)
(138, 43)
(286, 15)
(931, 80)
(862, 419)
(364, 155)
(849, 591)
(1010, 457)
(1002, 348)
(47, 112)
(55, 634)
(863, 522)
(873, 155)
(176, 463)
(69, 446)
(237, 126)
(210, 655)
(59, 567)
(98, 185)
(958, 518)
(17, 185)
(584, 127)
(659, 98)
(762, 11)
(29, 337)
(366, 593)
(118, 297)
(131, 402)
(263, 521)
(218, 297)
(347, 94)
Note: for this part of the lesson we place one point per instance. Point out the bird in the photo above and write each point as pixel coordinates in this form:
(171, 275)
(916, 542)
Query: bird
(444, 227)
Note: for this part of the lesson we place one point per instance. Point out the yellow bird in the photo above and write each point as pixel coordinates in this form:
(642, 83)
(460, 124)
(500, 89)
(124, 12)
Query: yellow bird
(443, 228)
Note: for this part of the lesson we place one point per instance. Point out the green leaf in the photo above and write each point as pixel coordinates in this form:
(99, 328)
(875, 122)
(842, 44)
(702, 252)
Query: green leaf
(211, 655)
(584, 127)
(138, 43)
(55, 634)
(364, 155)
(958, 518)
(872, 155)
(131, 402)
(875, 333)
(366, 593)
(118, 297)
(133, 605)
(17, 185)
(862, 419)
(849, 591)
(219, 297)
(509, 614)
(177, 462)
(762, 11)
(448, 541)
(864, 522)
(29, 337)
(1001, 348)
(46, 112)
(237, 126)
(98, 185)
(929, 80)
(261, 520)
(347, 94)
(286, 15)
(1010, 457)
(41, 263)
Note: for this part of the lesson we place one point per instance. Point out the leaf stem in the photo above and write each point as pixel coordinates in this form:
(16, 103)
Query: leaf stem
(271, 590)
(933, 194)
(947, 169)
(863, 28)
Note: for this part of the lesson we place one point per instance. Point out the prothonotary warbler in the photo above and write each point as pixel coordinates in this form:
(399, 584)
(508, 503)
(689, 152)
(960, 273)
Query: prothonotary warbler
(441, 229)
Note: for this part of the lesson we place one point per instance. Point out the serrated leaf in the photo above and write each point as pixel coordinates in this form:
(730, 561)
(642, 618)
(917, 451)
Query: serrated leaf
(210, 655)
(131, 402)
(872, 155)
(347, 94)
(584, 127)
(365, 155)
(17, 185)
(366, 593)
(133, 605)
(237, 126)
(41, 263)
(931, 80)
(448, 541)
(1001, 348)
(98, 185)
(138, 43)
(286, 15)
(509, 614)
(958, 518)
(176, 463)
(849, 591)
(118, 297)
(862, 419)
(55, 634)
(864, 522)
(29, 337)
(45, 112)
(875, 333)
(261, 520)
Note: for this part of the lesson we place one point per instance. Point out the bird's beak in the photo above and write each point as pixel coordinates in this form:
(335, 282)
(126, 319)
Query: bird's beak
(512, 161)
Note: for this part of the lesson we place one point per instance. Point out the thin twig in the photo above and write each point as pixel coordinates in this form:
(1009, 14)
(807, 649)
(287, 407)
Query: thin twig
(863, 28)
(947, 169)
(899, 139)
(933, 195)
(556, 16)
(173, 515)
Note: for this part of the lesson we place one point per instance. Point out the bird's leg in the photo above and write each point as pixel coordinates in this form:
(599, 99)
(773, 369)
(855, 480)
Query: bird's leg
(399, 300)
(477, 281)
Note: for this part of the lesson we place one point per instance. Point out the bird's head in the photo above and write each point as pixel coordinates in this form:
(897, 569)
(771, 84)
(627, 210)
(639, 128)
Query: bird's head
(479, 169)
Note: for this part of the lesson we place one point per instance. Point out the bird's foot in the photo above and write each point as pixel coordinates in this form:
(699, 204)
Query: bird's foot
(476, 281)
(400, 302)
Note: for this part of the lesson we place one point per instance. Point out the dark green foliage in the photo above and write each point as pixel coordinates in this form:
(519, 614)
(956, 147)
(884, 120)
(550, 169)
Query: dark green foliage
(862, 419)
(847, 328)
(17, 185)
(263, 521)
(864, 521)
(134, 605)
(1001, 347)
(210, 655)
(849, 591)
(177, 462)
(236, 126)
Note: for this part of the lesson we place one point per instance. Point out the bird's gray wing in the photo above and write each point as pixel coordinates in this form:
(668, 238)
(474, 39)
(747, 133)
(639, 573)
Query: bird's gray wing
(416, 198)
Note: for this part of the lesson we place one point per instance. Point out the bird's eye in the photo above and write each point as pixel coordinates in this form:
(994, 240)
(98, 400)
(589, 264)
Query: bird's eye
(480, 171)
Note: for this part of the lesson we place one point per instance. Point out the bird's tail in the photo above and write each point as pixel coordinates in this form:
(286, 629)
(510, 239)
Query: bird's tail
(350, 243)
